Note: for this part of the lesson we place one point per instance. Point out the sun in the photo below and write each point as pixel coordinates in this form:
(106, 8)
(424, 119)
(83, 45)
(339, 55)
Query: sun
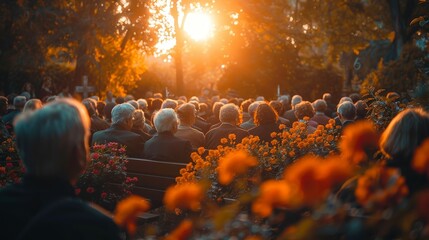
(199, 26)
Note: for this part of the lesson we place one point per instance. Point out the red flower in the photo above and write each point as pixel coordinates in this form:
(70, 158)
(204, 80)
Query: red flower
(2, 170)
(77, 191)
(8, 159)
(103, 195)
(9, 165)
(96, 171)
(90, 190)
(95, 156)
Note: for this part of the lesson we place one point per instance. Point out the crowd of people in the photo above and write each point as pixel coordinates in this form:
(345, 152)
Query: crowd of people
(53, 139)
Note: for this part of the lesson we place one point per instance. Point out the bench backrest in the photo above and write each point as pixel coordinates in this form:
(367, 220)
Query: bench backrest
(154, 177)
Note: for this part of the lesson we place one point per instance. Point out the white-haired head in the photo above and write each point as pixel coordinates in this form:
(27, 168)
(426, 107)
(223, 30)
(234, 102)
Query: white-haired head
(229, 113)
(54, 140)
(122, 114)
(165, 120)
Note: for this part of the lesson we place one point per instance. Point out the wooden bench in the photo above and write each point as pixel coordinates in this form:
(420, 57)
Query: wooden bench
(154, 177)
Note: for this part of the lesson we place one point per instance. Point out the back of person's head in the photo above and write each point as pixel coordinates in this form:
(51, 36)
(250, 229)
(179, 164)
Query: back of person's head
(96, 98)
(19, 102)
(295, 100)
(260, 98)
(304, 109)
(183, 98)
(277, 106)
(10, 97)
(156, 104)
(355, 97)
(54, 140)
(165, 120)
(119, 100)
(186, 113)
(139, 119)
(361, 109)
(265, 114)
(327, 97)
(347, 110)
(216, 108)
(224, 100)
(196, 105)
(133, 103)
(32, 104)
(157, 95)
(404, 134)
(128, 98)
(244, 106)
(27, 95)
(320, 105)
(122, 113)
(252, 108)
(142, 104)
(194, 98)
(229, 113)
(344, 99)
(89, 105)
(100, 107)
(204, 110)
(169, 103)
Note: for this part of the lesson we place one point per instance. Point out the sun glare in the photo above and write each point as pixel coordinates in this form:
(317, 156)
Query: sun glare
(199, 26)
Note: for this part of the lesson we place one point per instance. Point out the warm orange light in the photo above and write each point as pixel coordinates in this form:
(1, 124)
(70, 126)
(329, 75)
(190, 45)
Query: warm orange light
(199, 25)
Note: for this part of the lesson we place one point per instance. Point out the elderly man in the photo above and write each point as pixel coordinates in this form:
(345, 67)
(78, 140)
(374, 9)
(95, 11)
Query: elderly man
(229, 116)
(120, 131)
(164, 146)
(53, 144)
(187, 114)
(346, 113)
(320, 107)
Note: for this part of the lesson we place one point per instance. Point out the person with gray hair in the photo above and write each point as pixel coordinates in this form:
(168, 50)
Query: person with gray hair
(32, 104)
(120, 131)
(252, 111)
(187, 115)
(230, 117)
(346, 113)
(320, 117)
(290, 114)
(164, 146)
(53, 145)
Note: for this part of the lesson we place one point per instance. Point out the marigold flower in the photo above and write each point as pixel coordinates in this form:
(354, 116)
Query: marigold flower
(331, 121)
(223, 140)
(273, 134)
(234, 163)
(379, 186)
(232, 136)
(127, 210)
(201, 150)
(420, 161)
(185, 196)
(291, 154)
(183, 231)
(282, 126)
(273, 194)
(359, 139)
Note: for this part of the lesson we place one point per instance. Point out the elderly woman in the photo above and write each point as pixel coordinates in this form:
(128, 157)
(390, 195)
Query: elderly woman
(402, 137)
(266, 120)
(305, 109)
(164, 146)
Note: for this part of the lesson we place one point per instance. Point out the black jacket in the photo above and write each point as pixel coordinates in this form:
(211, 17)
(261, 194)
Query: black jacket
(166, 147)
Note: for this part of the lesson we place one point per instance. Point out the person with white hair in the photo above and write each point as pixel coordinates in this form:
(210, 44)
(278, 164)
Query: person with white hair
(120, 131)
(249, 124)
(53, 145)
(230, 117)
(164, 146)
(346, 113)
(290, 114)
(18, 103)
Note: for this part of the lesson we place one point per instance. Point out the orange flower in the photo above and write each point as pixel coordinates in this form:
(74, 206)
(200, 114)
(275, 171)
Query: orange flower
(313, 177)
(127, 210)
(201, 150)
(184, 196)
(359, 139)
(232, 136)
(273, 134)
(420, 161)
(274, 142)
(234, 163)
(380, 186)
(282, 126)
(223, 140)
(272, 194)
(183, 231)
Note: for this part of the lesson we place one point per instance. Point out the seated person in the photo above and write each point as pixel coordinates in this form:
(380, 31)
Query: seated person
(53, 145)
(229, 116)
(186, 114)
(120, 131)
(164, 146)
(266, 120)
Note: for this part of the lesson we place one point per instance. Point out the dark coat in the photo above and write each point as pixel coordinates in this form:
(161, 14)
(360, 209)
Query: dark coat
(48, 209)
(134, 143)
(166, 147)
(290, 115)
(264, 131)
(321, 119)
(214, 136)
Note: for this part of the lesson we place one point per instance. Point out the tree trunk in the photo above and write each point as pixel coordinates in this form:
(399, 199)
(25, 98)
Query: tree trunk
(178, 54)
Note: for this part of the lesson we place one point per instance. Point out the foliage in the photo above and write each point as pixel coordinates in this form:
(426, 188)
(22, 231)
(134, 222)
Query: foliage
(105, 180)
(11, 167)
